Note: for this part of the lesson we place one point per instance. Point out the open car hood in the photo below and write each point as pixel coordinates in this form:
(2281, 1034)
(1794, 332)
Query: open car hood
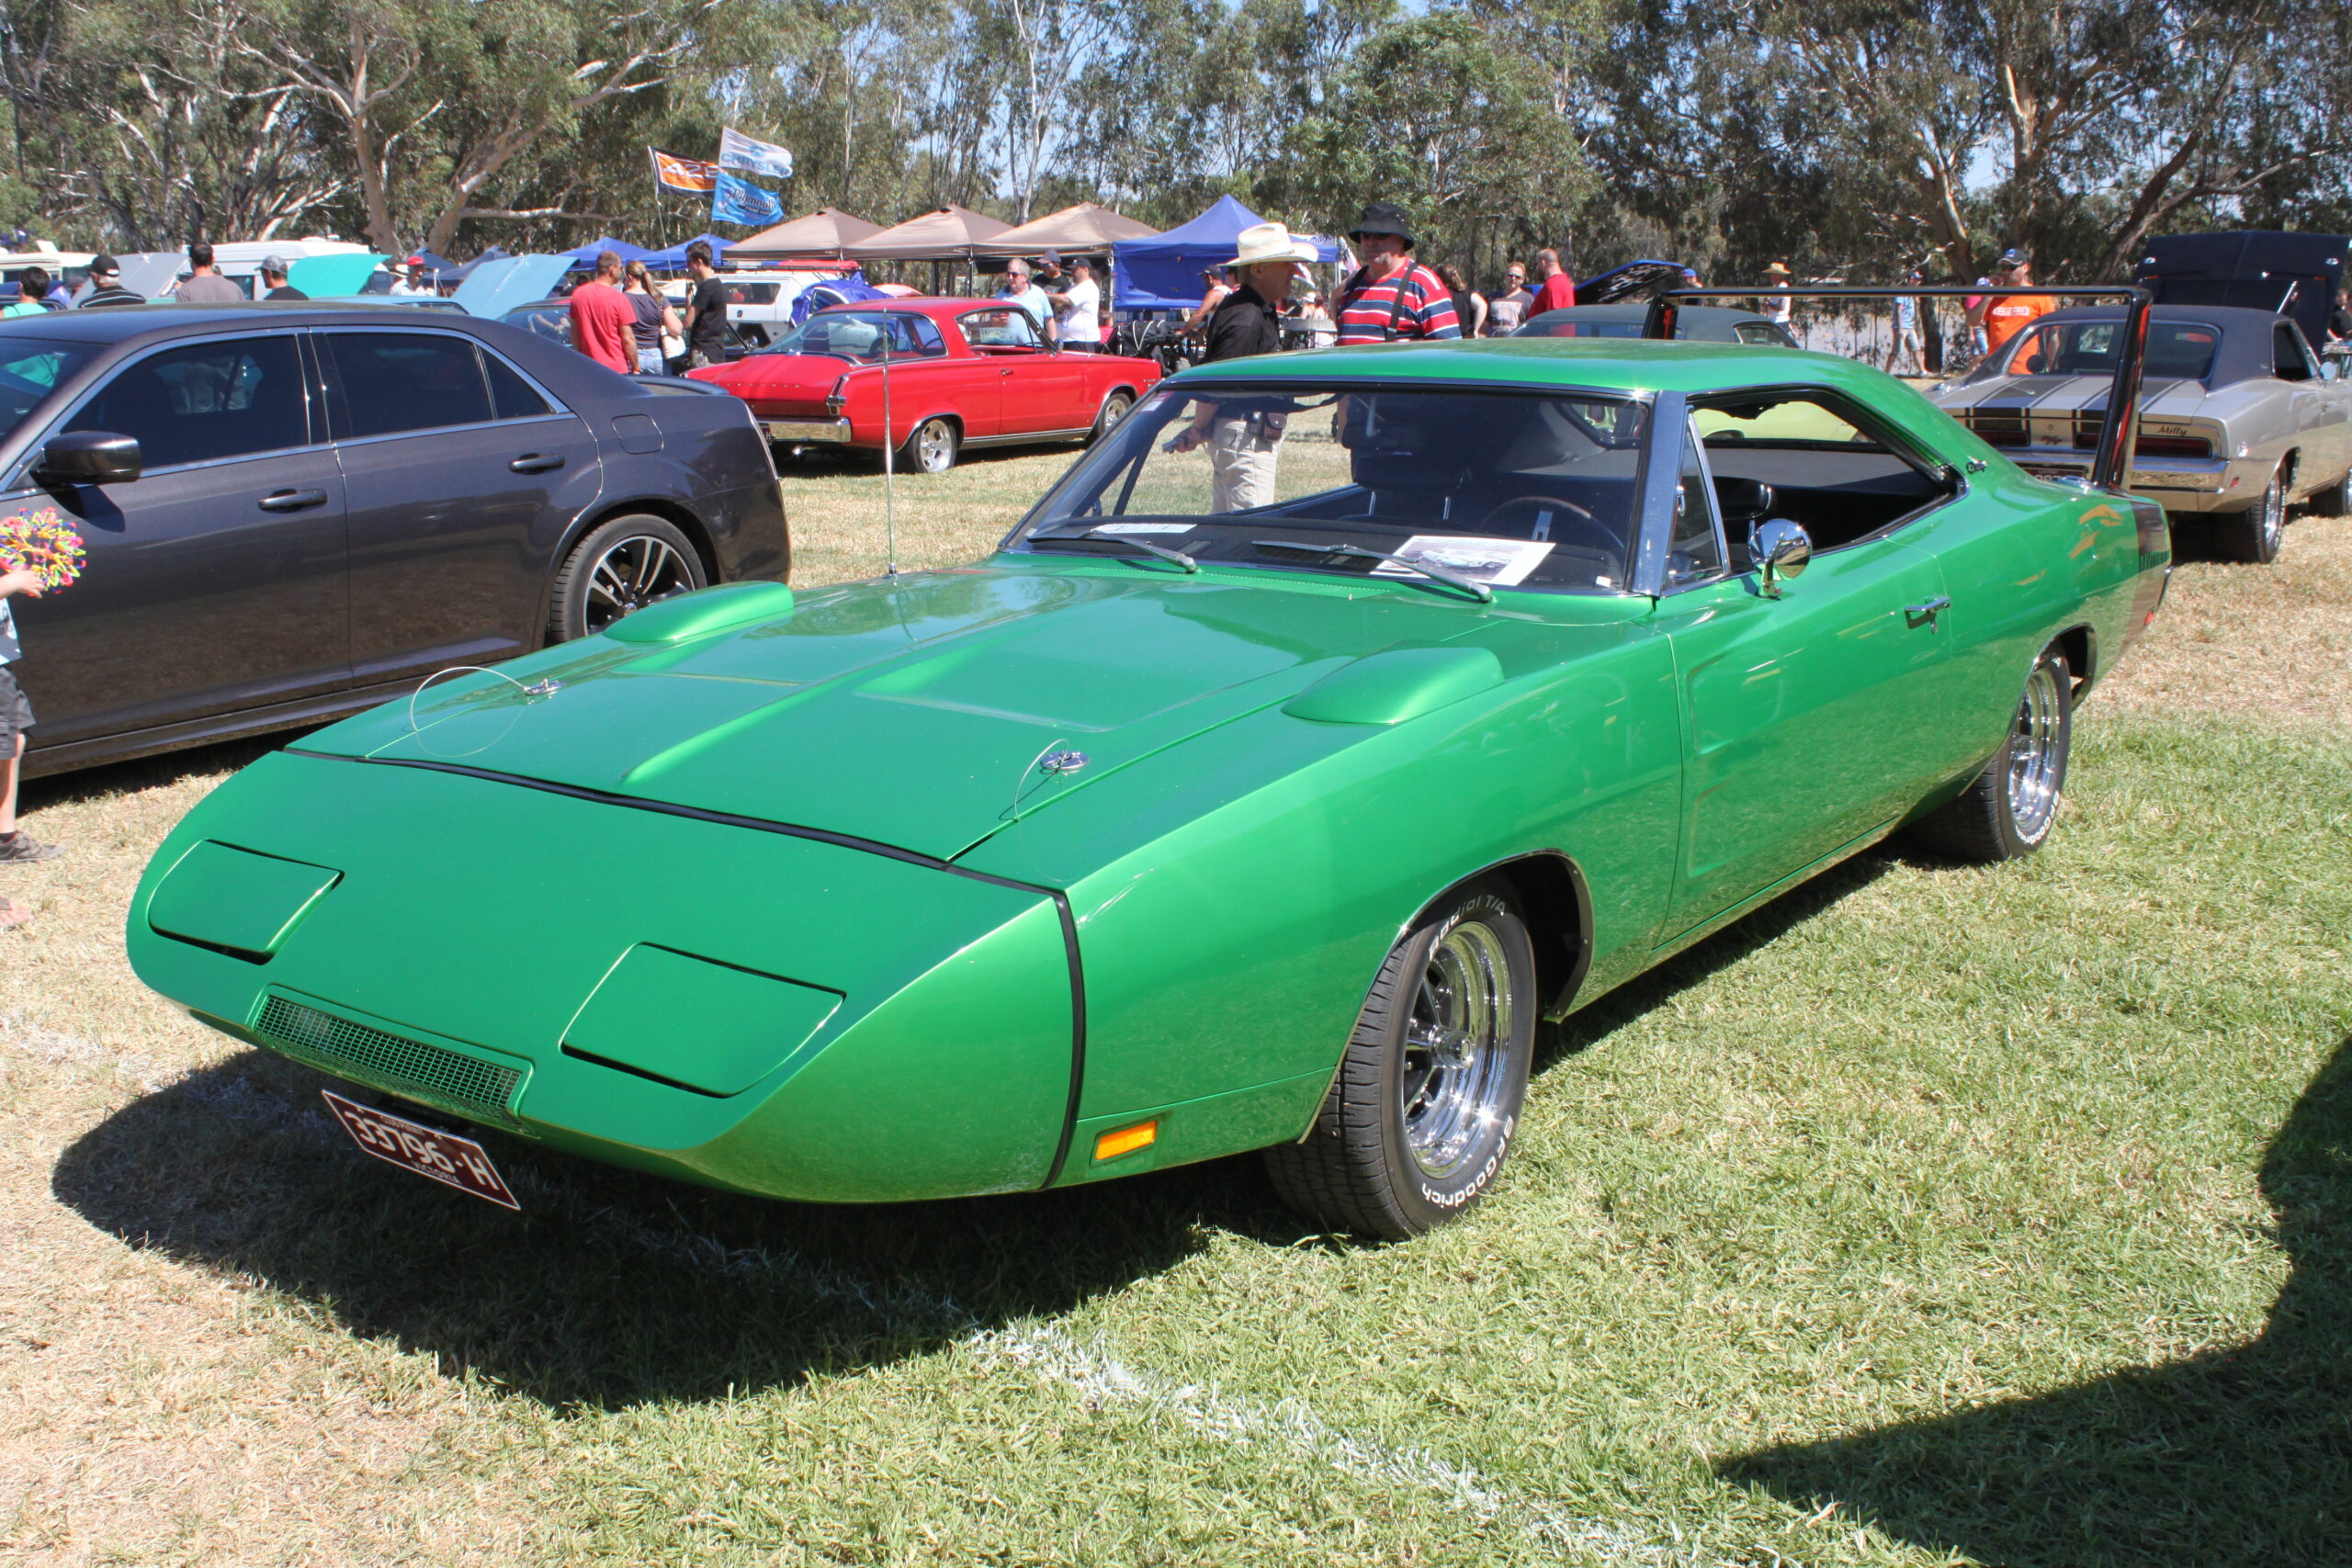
(914, 712)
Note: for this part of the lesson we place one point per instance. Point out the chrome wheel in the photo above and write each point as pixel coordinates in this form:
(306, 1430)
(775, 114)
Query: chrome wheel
(2274, 516)
(1457, 1045)
(1114, 408)
(633, 571)
(2037, 754)
(934, 446)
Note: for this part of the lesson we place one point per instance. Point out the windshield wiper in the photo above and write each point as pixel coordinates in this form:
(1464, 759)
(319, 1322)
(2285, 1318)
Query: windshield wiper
(1162, 551)
(1478, 591)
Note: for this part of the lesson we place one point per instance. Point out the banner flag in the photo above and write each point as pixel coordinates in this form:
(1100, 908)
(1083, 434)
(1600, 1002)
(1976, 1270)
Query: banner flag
(739, 201)
(736, 151)
(681, 173)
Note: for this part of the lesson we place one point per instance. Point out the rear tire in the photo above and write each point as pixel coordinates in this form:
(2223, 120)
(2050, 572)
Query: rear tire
(1427, 1095)
(1114, 408)
(622, 566)
(2254, 534)
(932, 446)
(2007, 811)
(2336, 500)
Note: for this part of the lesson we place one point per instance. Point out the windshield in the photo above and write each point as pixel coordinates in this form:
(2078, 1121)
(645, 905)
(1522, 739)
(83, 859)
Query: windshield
(2176, 351)
(861, 334)
(30, 369)
(1508, 488)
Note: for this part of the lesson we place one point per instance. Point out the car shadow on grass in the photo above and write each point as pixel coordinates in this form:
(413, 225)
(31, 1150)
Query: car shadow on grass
(2240, 1456)
(609, 1289)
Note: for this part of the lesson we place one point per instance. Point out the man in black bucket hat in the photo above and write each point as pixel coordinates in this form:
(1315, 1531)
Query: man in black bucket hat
(1392, 296)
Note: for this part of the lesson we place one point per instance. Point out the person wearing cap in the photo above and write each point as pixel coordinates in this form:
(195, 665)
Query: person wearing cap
(408, 277)
(1776, 304)
(2004, 313)
(204, 285)
(1243, 434)
(1555, 289)
(1076, 301)
(106, 286)
(273, 277)
(1392, 296)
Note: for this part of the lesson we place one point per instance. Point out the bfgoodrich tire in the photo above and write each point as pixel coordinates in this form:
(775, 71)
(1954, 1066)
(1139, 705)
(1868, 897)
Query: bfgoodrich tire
(2007, 811)
(622, 566)
(1427, 1097)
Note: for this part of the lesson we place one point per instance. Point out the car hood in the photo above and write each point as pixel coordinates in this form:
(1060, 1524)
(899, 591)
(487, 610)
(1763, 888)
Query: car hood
(915, 712)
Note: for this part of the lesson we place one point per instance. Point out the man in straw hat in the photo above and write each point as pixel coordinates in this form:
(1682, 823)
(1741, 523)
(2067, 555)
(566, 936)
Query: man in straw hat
(1776, 304)
(1242, 432)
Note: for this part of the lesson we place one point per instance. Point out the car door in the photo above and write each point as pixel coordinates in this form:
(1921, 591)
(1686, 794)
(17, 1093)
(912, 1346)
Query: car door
(2321, 410)
(1807, 717)
(1042, 390)
(216, 580)
(463, 475)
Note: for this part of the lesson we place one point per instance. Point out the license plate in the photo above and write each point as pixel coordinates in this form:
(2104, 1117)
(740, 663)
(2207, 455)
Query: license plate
(442, 1156)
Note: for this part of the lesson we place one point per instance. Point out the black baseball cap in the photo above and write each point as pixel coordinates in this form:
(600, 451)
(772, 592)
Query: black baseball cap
(105, 266)
(2015, 257)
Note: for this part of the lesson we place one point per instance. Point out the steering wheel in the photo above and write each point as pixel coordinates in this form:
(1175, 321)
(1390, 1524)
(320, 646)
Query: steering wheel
(1590, 532)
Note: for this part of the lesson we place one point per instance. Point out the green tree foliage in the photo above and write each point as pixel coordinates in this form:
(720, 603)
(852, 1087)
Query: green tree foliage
(1846, 136)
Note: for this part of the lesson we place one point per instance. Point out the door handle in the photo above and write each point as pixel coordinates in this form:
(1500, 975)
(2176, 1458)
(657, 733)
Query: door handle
(292, 500)
(1936, 606)
(536, 462)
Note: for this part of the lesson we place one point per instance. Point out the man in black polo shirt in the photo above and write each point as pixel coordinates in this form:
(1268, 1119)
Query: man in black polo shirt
(1241, 433)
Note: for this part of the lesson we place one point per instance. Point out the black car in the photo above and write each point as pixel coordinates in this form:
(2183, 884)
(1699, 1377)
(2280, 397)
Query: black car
(294, 512)
(1700, 323)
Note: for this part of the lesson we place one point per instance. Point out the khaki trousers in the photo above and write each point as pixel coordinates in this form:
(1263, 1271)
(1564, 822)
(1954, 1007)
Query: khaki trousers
(1241, 467)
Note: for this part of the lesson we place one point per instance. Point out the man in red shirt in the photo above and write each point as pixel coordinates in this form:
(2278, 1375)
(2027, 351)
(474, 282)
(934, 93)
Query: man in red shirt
(602, 318)
(1558, 290)
(1392, 296)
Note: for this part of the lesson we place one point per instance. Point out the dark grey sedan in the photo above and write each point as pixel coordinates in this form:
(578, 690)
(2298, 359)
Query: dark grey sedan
(294, 512)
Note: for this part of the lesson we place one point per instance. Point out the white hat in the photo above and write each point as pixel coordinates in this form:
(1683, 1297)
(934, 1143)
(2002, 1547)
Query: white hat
(1270, 243)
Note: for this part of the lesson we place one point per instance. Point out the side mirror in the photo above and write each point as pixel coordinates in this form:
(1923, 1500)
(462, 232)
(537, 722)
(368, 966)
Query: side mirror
(1780, 550)
(90, 458)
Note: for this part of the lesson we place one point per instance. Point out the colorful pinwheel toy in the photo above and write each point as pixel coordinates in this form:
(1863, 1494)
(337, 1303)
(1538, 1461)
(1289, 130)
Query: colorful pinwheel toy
(42, 542)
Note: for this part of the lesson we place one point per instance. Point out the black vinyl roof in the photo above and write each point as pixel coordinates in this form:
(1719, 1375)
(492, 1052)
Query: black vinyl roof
(2245, 351)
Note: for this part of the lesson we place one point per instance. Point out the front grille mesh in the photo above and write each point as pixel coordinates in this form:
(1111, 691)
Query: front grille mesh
(412, 1068)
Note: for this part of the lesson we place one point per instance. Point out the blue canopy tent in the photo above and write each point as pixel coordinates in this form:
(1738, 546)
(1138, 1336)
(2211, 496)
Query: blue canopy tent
(674, 257)
(1164, 273)
(585, 258)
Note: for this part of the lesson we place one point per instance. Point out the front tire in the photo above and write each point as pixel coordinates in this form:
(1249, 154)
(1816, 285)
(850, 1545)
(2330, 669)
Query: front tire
(2256, 533)
(2007, 811)
(622, 566)
(932, 446)
(1427, 1095)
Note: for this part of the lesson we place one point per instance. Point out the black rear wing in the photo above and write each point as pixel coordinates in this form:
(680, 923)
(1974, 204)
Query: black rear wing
(2118, 437)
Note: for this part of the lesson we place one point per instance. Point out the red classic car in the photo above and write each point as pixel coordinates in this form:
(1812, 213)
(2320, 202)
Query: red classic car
(962, 372)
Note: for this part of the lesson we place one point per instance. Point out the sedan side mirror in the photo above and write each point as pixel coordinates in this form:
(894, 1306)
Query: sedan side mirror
(90, 458)
(1781, 549)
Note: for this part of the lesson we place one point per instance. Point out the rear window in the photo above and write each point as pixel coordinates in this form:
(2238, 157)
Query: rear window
(2176, 351)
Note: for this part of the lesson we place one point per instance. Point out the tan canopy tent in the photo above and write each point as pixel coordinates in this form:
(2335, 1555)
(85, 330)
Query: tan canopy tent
(824, 233)
(1084, 228)
(949, 235)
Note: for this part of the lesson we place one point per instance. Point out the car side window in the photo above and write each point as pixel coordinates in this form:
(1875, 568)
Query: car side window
(2294, 363)
(1008, 328)
(1756, 333)
(510, 396)
(206, 401)
(1694, 550)
(1813, 458)
(395, 382)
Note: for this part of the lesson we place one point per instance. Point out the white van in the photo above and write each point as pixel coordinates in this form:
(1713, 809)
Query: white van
(759, 304)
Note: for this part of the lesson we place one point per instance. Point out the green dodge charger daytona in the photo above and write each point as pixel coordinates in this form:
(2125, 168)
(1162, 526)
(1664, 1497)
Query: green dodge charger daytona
(1336, 721)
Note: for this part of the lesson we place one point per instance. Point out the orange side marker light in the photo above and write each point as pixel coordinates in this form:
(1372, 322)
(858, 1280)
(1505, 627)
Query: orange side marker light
(1126, 1140)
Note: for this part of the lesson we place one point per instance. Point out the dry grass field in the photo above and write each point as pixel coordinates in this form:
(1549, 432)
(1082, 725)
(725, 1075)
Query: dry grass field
(1929, 1215)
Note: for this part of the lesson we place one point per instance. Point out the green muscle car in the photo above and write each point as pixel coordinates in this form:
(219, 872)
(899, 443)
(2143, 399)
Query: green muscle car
(1338, 720)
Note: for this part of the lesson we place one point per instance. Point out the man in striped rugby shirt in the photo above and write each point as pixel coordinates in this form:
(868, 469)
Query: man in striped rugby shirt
(1392, 296)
